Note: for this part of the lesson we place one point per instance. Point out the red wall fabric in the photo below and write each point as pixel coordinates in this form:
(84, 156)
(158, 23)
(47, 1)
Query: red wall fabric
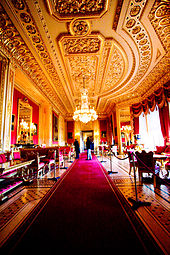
(164, 121)
(70, 129)
(35, 115)
(103, 128)
(136, 125)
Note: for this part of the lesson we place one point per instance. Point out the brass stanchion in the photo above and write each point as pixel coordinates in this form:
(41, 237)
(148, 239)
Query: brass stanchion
(54, 178)
(136, 203)
(111, 172)
(102, 156)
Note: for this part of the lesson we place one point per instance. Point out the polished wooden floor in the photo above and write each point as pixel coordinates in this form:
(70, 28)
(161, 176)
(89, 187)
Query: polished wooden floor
(155, 217)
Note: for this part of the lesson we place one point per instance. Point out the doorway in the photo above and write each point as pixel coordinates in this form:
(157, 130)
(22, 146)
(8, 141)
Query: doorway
(83, 138)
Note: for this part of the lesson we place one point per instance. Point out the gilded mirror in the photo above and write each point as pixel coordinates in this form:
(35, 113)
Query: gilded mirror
(24, 134)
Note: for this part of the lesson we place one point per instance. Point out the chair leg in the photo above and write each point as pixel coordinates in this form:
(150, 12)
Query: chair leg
(154, 181)
(140, 177)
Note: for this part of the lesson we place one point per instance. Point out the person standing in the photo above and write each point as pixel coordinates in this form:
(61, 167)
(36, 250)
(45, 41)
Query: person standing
(89, 147)
(77, 148)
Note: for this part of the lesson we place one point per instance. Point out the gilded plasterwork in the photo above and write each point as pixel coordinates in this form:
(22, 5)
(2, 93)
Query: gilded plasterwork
(139, 34)
(80, 27)
(67, 10)
(81, 58)
(81, 45)
(120, 52)
(159, 17)
(101, 74)
(28, 23)
(137, 31)
(83, 67)
(115, 70)
(14, 44)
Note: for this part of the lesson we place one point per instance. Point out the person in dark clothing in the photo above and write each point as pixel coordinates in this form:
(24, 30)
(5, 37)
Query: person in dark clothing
(89, 147)
(77, 148)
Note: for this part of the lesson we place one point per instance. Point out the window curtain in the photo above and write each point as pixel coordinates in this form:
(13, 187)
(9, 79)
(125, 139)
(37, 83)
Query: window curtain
(143, 131)
(154, 129)
(160, 98)
(150, 130)
(164, 122)
(136, 125)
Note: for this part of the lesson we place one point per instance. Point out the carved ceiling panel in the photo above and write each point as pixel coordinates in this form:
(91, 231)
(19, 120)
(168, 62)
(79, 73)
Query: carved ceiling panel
(67, 10)
(94, 58)
(117, 50)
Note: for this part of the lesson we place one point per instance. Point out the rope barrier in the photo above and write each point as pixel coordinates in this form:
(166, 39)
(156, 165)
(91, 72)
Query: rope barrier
(136, 203)
(120, 158)
(149, 169)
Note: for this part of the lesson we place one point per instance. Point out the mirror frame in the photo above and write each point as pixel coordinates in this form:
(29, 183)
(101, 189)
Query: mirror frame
(24, 102)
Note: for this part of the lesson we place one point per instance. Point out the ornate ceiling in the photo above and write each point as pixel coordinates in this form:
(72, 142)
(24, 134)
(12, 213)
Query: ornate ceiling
(119, 48)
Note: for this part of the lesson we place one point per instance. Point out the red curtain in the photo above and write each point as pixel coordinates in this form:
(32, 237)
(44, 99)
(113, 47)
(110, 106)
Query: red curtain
(136, 125)
(159, 98)
(165, 125)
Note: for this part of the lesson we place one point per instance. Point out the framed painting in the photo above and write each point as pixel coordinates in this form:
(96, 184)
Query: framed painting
(55, 128)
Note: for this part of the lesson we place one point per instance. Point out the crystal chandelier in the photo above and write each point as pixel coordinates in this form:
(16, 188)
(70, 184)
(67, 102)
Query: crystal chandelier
(24, 125)
(85, 113)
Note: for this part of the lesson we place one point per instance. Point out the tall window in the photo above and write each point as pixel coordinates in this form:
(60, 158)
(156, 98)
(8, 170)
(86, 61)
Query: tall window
(150, 130)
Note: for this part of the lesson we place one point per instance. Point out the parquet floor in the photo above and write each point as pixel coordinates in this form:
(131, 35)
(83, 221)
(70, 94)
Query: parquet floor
(22, 201)
(155, 217)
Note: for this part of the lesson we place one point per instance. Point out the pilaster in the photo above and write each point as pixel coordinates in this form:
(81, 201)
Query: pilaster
(6, 97)
(118, 130)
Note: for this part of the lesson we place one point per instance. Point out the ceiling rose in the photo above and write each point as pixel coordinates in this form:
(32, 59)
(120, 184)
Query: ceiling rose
(79, 27)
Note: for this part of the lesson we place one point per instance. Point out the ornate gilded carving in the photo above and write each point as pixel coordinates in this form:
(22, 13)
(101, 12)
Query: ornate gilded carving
(19, 4)
(67, 10)
(135, 29)
(83, 66)
(159, 17)
(135, 10)
(28, 24)
(115, 70)
(79, 27)
(81, 45)
(117, 14)
(11, 40)
(130, 23)
(25, 17)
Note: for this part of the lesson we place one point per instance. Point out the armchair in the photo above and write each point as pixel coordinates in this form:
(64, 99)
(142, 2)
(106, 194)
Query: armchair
(146, 164)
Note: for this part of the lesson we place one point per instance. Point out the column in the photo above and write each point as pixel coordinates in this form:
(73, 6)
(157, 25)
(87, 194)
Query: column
(6, 98)
(118, 130)
(45, 124)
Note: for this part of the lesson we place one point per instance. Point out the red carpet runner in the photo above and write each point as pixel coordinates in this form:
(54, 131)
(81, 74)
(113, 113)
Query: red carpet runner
(83, 214)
